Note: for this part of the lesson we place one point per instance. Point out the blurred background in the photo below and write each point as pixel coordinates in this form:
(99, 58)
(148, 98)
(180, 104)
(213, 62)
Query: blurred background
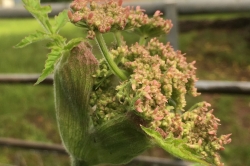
(218, 40)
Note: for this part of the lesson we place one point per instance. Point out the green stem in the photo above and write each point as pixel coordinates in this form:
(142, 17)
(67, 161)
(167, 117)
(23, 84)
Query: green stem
(142, 40)
(108, 57)
(76, 162)
(118, 37)
(120, 42)
(194, 106)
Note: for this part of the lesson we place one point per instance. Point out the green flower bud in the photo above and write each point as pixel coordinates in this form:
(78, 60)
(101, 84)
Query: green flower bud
(73, 83)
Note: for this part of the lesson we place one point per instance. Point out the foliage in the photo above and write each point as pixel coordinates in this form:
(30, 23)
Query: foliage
(57, 44)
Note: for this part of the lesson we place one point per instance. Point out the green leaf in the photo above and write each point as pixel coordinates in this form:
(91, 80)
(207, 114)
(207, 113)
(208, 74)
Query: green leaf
(40, 13)
(58, 41)
(72, 43)
(53, 56)
(117, 141)
(176, 147)
(38, 36)
(60, 21)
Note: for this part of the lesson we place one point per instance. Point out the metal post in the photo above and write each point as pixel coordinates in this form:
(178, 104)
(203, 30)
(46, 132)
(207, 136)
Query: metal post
(171, 13)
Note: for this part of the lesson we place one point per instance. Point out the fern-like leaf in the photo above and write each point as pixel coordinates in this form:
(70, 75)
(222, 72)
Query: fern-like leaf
(38, 36)
(53, 56)
(176, 147)
(60, 21)
(72, 43)
(40, 13)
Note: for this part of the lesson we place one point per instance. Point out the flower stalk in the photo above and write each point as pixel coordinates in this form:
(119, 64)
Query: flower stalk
(108, 57)
(119, 38)
(142, 40)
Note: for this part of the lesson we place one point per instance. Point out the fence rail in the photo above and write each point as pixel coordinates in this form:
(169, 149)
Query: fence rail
(204, 86)
(39, 146)
(182, 6)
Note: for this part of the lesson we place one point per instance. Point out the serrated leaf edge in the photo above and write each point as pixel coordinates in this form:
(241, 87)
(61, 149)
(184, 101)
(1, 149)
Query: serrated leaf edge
(168, 143)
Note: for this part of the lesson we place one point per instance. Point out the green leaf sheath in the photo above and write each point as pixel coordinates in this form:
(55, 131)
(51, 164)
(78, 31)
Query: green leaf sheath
(117, 142)
(73, 84)
(176, 147)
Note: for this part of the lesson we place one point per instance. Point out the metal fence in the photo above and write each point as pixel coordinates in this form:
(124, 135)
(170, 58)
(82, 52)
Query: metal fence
(171, 10)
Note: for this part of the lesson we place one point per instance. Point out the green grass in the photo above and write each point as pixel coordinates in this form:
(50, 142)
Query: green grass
(27, 112)
(225, 53)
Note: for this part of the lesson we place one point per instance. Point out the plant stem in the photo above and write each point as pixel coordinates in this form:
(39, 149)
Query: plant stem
(142, 40)
(118, 38)
(108, 57)
(120, 42)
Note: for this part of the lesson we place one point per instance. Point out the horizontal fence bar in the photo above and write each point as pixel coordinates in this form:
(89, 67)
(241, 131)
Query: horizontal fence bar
(204, 86)
(11, 142)
(23, 79)
(224, 87)
(28, 145)
(183, 7)
(195, 6)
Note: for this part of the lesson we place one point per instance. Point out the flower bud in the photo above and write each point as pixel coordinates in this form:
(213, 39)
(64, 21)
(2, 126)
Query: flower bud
(73, 84)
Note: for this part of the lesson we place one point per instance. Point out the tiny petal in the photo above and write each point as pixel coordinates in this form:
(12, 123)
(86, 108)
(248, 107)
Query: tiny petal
(213, 132)
(147, 96)
(120, 2)
(70, 15)
(139, 109)
(158, 13)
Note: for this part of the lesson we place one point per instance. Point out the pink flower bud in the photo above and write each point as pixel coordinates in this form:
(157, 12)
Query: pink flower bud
(90, 15)
(139, 109)
(120, 2)
(158, 13)
(70, 15)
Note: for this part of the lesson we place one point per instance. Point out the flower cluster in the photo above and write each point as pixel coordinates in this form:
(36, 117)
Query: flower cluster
(159, 80)
(200, 129)
(111, 16)
(159, 74)
(104, 103)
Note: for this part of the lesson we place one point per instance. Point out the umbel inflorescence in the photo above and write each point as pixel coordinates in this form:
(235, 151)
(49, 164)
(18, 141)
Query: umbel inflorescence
(158, 78)
(105, 16)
